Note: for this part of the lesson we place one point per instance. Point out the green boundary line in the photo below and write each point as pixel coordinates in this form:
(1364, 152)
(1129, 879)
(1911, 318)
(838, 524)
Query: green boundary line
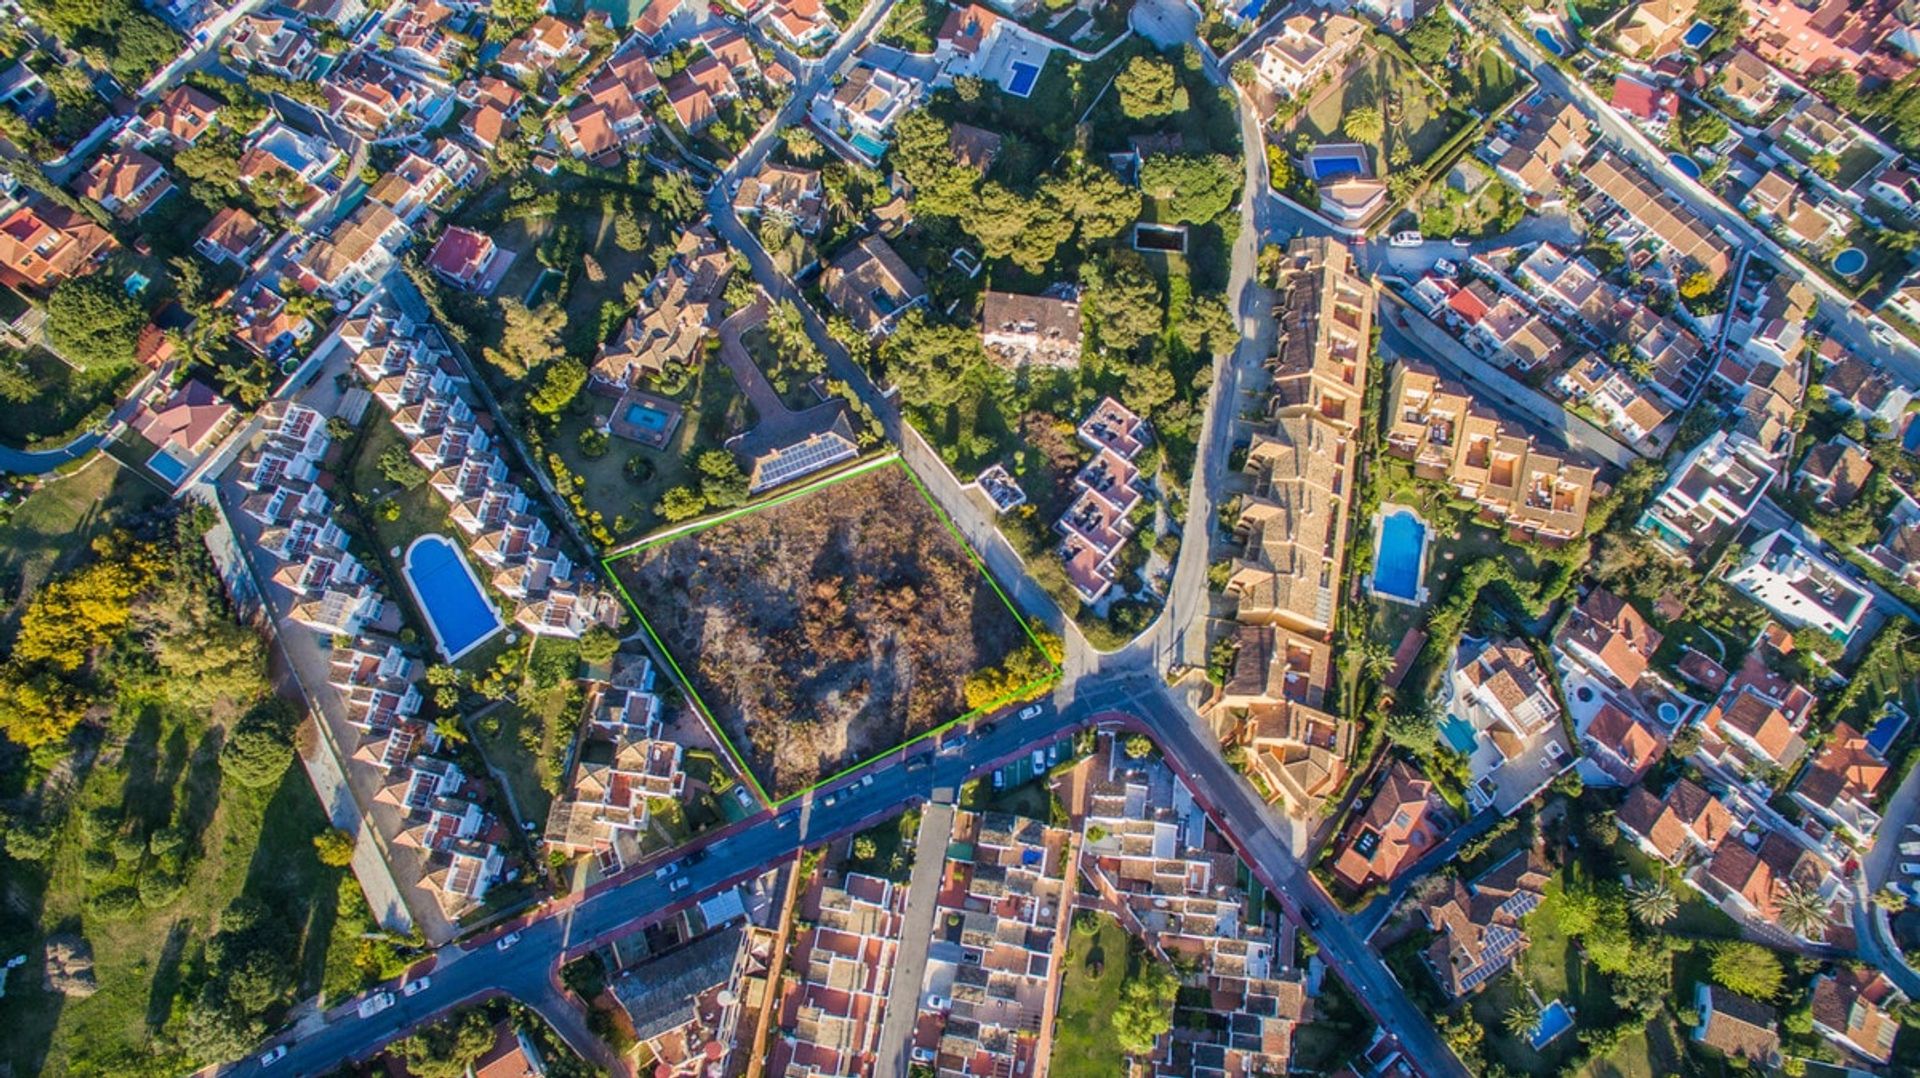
(693, 694)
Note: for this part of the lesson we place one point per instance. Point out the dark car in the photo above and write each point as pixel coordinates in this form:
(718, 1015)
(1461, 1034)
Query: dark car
(1312, 918)
(696, 857)
(988, 727)
(917, 763)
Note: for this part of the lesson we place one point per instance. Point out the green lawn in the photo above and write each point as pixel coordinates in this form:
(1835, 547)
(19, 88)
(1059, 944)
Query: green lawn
(47, 531)
(68, 398)
(892, 857)
(1381, 80)
(1491, 80)
(1083, 1038)
(516, 744)
(255, 842)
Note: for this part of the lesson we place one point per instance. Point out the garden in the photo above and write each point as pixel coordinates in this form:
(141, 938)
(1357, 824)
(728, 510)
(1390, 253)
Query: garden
(43, 400)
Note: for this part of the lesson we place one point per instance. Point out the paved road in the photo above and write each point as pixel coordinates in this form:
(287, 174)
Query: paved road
(916, 935)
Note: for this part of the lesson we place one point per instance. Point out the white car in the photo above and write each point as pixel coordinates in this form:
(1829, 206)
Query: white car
(506, 942)
(678, 885)
(273, 1055)
(1911, 868)
(867, 779)
(375, 1003)
(1911, 849)
(1407, 239)
(1039, 759)
(666, 870)
(1031, 711)
(416, 986)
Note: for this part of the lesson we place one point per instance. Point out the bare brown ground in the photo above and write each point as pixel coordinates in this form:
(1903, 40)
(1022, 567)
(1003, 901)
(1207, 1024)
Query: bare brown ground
(826, 630)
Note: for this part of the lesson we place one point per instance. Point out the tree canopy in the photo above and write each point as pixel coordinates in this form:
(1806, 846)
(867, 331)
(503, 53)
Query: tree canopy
(93, 322)
(1148, 88)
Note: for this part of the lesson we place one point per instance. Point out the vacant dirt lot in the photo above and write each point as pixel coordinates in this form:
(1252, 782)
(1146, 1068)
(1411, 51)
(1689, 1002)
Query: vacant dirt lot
(827, 629)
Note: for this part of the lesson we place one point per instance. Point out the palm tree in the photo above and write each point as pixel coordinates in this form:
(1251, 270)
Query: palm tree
(801, 143)
(1652, 902)
(1802, 910)
(449, 729)
(1376, 659)
(1364, 124)
(1523, 1016)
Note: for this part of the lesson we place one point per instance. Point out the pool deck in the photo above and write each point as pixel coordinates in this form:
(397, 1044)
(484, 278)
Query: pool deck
(426, 611)
(1420, 592)
(620, 427)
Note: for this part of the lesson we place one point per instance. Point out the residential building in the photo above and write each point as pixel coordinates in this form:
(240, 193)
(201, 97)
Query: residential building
(1097, 524)
(234, 236)
(871, 286)
(1293, 522)
(801, 23)
(1513, 335)
(860, 110)
(465, 259)
(1735, 1026)
(1448, 436)
(1041, 331)
(699, 90)
(1833, 473)
(43, 243)
(1808, 39)
(1304, 50)
(1404, 820)
(184, 423)
(126, 183)
(1842, 783)
(1002, 906)
(1652, 28)
(1801, 587)
(613, 117)
(685, 1004)
(1749, 82)
(1757, 719)
(1689, 242)
(1854, 1007)
(789, 195)
(1653, 106)
(675, 316)
(1300, 752)
(551, 45)
(1273, 665)
(1553, 136)
(276, 45)
(1748, 876)
(622, 763)
(1856, 386)
(1898, 551)
(378, 682)
(264, 326)
(377, 99)
(1519, 745)
(176, 121)
(358, 253)
(1684, 825)
(1609, 638)
(1477, 926)
(1713, 489)
(842, 969)
(1621, 746)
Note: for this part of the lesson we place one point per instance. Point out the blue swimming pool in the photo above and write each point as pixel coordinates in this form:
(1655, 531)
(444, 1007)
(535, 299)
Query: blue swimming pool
(1911, 439)
(872, 147)
(1555, 1019)
(1024, 76)
(1888, 727)
(1459, 735)
(1548, 41)
(1333, 167)
(647, 417)
(1396, 569)
(448, 593)
(1697, 35)
(1849, 262)
(1685, 164)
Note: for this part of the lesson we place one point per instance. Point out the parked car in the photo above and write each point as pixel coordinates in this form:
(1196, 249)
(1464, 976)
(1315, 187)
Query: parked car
(1031, 711)
(416, 986)
(1039, 760)
(866, 779)
(917, 763)
(1461, 242)
(375, 1003)
(988, 727)
(1411, 238)
(506, 942)
(831, 799)
(1911, 868)
(273, 1055)
(666, 870)
(1312, 918)
(678, 885)
(954, 743)
(696, 857)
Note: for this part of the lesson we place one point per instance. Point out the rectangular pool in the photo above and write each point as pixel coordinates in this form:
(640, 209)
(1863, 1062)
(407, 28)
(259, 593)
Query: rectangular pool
(1329, 168)
(1459, 735)
(1396, 567)
(1024, 76)
(1555, 1019)
(646, 417)
(1697, 35)
(872, 148)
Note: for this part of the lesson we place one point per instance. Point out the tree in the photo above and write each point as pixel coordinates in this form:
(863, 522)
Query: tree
(398, 467)
(1696, 285)
(1364, 124)
(448, 1048)
(1122, 305)
(334, 847)
(802, 145)
(722, 483)
(38, 709)
(1431, 39)
(1824, 164)
(1523, 1015)
(261, 746)
(92, 322)
(1802, 910)
(1099, 204)
(1148, 88)
(528, 337)
(865, 848)
(1413, 731)
(1747, 968)
(1652, 902)
(598, 646)
(1145, 1009)
(1194, 188)
(680, 503)
(560, 382)
(1138, 747)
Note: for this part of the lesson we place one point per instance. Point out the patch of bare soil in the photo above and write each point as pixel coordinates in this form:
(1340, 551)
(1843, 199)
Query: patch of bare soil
(825, 630)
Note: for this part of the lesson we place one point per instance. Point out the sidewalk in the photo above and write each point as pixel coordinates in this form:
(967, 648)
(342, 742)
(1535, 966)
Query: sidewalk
(916, 934)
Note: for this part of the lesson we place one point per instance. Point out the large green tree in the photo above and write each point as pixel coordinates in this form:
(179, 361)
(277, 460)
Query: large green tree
(1747, 968)
(1148, 88)
(93, 322)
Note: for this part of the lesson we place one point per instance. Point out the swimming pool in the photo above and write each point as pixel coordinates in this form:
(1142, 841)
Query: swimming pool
(1332, 167)
(872, 147)
(448, 593)
(1024, 76)
(1396, 568)
(1888, 727)
(1849, 262)
(1697, 35)
(647, 417)
(1911, 439)
(1555, 1019)
(1685, 164)
(1549, 42)
(1459, 735)
(1668, 713)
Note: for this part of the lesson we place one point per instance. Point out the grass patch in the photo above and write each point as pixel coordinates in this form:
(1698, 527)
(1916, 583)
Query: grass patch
(1379, 79)
(49, 531)
(68, 400)
(1084, 1045)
